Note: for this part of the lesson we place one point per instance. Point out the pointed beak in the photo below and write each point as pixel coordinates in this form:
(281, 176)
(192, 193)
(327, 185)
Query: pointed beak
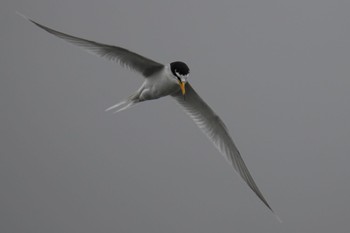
(182, 87)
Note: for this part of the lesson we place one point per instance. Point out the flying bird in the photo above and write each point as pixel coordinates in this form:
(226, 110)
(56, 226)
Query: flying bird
(168, 80)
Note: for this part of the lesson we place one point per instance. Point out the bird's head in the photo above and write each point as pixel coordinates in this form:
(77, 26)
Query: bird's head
(180, 71)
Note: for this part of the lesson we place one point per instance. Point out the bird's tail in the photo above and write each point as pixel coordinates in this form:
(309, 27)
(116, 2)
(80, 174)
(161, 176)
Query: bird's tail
(125, 104)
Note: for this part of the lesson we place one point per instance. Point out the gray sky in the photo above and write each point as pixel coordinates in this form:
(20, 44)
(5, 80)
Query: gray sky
(277, 72)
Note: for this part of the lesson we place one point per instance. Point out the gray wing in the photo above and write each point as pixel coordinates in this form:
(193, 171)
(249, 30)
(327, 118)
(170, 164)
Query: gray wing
(216, 131)
(125, 57)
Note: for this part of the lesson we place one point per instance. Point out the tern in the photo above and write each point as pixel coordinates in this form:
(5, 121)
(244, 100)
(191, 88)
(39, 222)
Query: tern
(168, 80)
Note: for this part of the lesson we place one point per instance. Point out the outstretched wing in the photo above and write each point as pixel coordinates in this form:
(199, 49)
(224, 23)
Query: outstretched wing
(134, 61)
(213, 127)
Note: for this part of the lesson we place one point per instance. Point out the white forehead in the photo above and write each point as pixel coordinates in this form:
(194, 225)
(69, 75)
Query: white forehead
(182, 76)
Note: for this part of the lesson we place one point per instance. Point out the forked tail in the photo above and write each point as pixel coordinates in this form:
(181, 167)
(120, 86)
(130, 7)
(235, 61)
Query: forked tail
(125, 104)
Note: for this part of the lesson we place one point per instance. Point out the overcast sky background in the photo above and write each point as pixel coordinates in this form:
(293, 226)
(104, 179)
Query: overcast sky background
(277, 72)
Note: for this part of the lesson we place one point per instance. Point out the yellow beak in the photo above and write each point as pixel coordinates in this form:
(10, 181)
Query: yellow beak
(182, 86)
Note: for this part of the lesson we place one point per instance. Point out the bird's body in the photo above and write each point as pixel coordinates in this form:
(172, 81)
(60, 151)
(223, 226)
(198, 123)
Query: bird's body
(168, 80)
(157, 85)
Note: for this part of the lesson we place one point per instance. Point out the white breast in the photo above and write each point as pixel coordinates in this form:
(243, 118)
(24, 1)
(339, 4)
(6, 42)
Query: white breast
(160, 84)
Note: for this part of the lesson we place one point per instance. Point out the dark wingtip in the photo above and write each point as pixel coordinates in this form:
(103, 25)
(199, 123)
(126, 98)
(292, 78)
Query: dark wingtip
(273, 212)
(29, 19)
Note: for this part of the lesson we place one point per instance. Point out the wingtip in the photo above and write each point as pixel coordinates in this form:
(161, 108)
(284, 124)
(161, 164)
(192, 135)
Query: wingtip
(273, 212)
(276, 216)
(22, 15)
(25, 17)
